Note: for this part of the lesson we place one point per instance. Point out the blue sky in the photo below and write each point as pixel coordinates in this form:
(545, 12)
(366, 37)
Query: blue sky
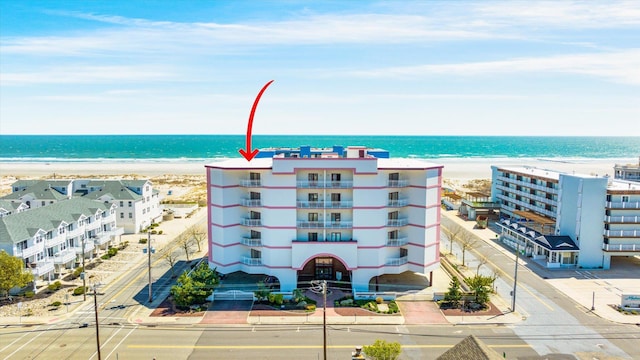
(340, 67)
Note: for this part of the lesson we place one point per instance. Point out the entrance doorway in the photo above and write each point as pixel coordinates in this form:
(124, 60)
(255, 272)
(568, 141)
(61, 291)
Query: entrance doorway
(326, 268)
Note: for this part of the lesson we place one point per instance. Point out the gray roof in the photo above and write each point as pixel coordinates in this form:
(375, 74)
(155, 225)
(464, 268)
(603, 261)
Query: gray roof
(41, 190)
(24, 225)
(556, 242)
(471, 348)
(116, 189)
(9, 205)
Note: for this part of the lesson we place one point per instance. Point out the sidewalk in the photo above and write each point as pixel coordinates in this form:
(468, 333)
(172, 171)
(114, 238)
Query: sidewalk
(580, 285)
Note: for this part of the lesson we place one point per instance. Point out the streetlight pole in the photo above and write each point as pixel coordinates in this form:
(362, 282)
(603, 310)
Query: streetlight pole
(515, 277)
(149, 257)
(84, 275)
(324, 317)
(95, 305)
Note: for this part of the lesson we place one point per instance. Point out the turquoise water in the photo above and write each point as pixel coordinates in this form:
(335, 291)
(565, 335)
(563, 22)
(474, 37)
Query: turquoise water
(59, 148)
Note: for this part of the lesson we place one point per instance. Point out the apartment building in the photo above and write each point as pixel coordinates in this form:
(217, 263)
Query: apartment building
(339, 214)
(629, 172)
(138, 203)
(52, 238)
(567, 220)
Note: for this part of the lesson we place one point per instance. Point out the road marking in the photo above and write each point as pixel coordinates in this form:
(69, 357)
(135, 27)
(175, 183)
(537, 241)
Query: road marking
(121, 341)
(25, 334)
(28, 342)
(276, 347)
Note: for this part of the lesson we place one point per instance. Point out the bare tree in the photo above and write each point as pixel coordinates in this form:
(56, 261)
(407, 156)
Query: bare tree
(184, 241)
(198, 233)
(483, 260)
(171, 258)
(453, 232)
(467, 242)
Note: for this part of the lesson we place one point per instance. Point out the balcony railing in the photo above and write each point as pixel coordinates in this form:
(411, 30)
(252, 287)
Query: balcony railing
(310, 204)
(338, 224)
(338, 204)
(401, 241)
(42, 267)
(310, 184)
(88, 247)
(60, 239)
(250, 183)
(397, 261)
(398, 203)
(398, 222)
(622, 219)
(251, 242)
(101, 239)
(251, 222)
(114, 232)
(310, 224)
(31, 250)
(64, 256)
(623, 204)
(338, 184)
(397, 183)
(622, 233)
(251, 202)
(251, 261)
(621, 247)
(526, 184)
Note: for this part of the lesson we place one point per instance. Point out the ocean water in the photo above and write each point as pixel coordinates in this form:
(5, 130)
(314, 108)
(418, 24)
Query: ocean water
(90, 148)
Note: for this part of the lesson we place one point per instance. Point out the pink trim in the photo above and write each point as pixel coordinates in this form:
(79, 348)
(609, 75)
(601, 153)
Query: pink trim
(296, 169)
(209, 224)
(221, 186)
(224, 206)
(425, 246)
(222, 226)
(277, 247)
(225, 246)
(322, 255)
(417, 186)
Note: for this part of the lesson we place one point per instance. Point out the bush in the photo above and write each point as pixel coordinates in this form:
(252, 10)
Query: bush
(311, 307)
(393, 307)
(76, 273)
(105, 257)
(160, 232)
(79, 290)
(153, 232)
(29, 294)
(55, 286)
(55, 304)
(379, 300)
(142, 241)
(112, 252)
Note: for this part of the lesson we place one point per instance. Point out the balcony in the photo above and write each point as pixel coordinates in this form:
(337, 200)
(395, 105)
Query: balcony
(251, 202)
(623, 205)
(58, 240)
(622, 233)
(251, 261)
(310, 224)
(70, 234)
(338, 204)
(338, 184)
(253, 242)
(621, 247)
(527, 184)
(397, 183)
(338, 225)
(88, 247)
(115, 232)
(397, 222)
(251, 222)
(251, 183)
(398, 203)
(64, 257)
(310, 184)
(622, 219)
(41, 267)
(310, 204)
(401, 241)
(101, 239)
(397, 261)
(31, 250)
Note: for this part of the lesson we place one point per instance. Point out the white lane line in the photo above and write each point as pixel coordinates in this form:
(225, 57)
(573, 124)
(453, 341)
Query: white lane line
(120, 343)
(106, 342)
(25, 334)
(28, 342)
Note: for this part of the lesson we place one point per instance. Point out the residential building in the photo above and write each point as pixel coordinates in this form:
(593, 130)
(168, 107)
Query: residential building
(53, 238)
(339, 214)
(629, 172)
(138, 203)
(7, 207)
(567, 220)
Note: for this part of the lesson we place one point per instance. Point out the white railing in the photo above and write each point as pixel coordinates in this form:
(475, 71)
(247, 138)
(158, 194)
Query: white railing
(310, 204)
(310, 224)
(622, 233)
(42, 267)
(73, 233)
(623, 204)
(114, 232)
(338, 204)
(88, 247)
(621, 247)
(101, 239)
(397, 261)
(251, 202)
(250, 183)
(622, 219)
(552, 190)
(401, 241)
(31, 250)
(64, 256)
(338, 184)
(309, 184)
(397, 183)
(60, 239)
(398, 222)
(398, 203)
(251, 222)
(338, 224)
(251, 241)
(251, 261)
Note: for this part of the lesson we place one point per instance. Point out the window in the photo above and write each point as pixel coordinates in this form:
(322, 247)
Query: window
(313, 216)
(393, 234)
(393, 215)
(130, 215)
(256, 254)
(393, 196)
(336, 236)
(335, 177)
(144, 211)
(121, 203)
(130, 204)
(254, 176)
(335, 217)
(313, 178)
(43, 203)
(625, 198)
(254, 215)
(313, 236)
(403, 252)
(324, 268)
(254, 195)
(335, 198)
(313, 197)
(394, 176)
(256, 234)
(121, 215)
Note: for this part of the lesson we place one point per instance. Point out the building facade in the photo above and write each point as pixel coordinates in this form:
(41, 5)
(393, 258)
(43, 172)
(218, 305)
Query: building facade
(56, 237)
(343, 215)
(567, 220)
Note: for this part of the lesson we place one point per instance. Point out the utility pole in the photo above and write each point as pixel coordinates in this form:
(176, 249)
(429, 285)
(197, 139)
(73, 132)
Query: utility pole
(95, 305)
(83, 274)
(324, 317)
(149, 256)
(515, 277)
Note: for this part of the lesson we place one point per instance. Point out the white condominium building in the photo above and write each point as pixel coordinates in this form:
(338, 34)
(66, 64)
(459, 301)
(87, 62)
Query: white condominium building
(567, 220)
(338, 214)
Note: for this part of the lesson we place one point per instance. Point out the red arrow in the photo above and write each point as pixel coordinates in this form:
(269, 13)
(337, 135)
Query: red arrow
(248, 154)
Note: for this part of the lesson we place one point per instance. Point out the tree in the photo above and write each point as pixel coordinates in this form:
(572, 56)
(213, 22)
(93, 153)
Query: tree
(453, 295)
(382, 350)
(467, 242)
(171, 258)
(184, 241)
(481, 288)
(483, 260)
(452, 231)
(198, 233)
(207, 277)
(12, 273)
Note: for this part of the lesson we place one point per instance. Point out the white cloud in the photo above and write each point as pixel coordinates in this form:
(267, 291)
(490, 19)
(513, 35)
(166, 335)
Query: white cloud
(87, 75)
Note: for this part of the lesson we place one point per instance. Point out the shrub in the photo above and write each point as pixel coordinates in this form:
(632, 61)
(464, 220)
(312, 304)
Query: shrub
(77, 272)
(393, 307)
(55, 304)
(153, 232)
(29, 294)
(311, 307)
(55, 286)
(79, 290)
(279, 299)
(112, 252)
(142, 241)
(379, 300)
(160, 232)
(105, 257)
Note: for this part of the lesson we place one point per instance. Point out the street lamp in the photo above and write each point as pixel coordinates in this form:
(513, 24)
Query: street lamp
(515, 277)
(95, 305)
(83, 274)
